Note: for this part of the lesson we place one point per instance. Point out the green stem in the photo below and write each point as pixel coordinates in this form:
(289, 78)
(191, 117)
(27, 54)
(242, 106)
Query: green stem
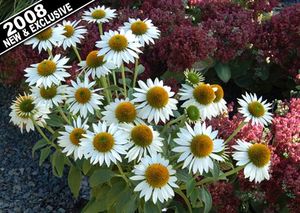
(50, 129)
(240, 126)
(186, 200)
(115, 81)
(167, 126)
(63, 114)
(77, 53)
(105, 87)
(108, 84)
(210, 179)
(122, 173)
(124, 80)
(100, 29)
(43, 134)
(135, 72)
(50, 53)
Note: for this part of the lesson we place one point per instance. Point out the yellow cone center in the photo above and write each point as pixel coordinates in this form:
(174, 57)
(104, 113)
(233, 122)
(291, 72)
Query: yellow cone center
(204, 94)
(48, 93)
(219, 93)
(125, 112)
(157, 97)
(256, 109)
(157, 175)
(69, 31)
(201, 146)
(139, 28)
(45, 35)
(259, 154)
(76, 135)
(83, 95)
(46, 68)
(93, 60)
(98, 14)
(103, 142)
(118, 43)
(142, 135)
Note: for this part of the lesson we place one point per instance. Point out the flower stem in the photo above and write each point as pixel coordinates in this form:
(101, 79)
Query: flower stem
(186, 200)
(240, 126)
(124, 80)
(50, 53)
(170, 123)
(135, 72)
(210, 179)
(115, 81)
(100, 29)
(50, 129)
(43, 134)
(77, 53)
(63, 114)
(104, 85)
(122, 174)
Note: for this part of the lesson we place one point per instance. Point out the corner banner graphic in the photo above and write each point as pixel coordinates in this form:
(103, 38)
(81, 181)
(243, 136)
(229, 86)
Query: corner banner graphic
(35, 19)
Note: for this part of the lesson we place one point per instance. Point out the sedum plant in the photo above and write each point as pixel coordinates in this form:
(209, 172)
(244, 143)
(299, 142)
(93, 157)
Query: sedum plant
(142, 147)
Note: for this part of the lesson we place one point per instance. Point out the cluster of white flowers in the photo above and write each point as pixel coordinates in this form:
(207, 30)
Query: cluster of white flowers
(129, 127)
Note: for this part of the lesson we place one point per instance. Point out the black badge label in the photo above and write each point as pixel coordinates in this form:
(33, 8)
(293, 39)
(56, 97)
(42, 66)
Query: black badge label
(35, 19)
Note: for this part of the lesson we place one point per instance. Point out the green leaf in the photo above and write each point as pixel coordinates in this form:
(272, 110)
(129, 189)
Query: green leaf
(74, 180)
(223, 71)
(55, 121)
(92, 206)
(44, 155)
(262, 73)
(183, 176)
(86, 166)
(117, 188)
(215, 171)
(141, 69)
(131, 205)
(206, 198)
(58, 162)
(150, 207)
(125, 202)
(194, 197)
(40, 144)
(190, 186)
(100, 176)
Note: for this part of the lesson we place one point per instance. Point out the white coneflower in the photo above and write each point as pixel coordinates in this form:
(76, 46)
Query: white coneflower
(47, 39)
(256, 159)
(83, 98)
(99, 14)
(24, 111)
(48, 72)
(50, 96)
(255, 110)
(73, 33)
(219, 102)
(143, 141)
(119, 47)
(157, 178)
(199, 147)
(144, 30)
(156, 102)
(121, 111)
(202, 96)
(105, 144)
(70, 139)
(96, 66)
